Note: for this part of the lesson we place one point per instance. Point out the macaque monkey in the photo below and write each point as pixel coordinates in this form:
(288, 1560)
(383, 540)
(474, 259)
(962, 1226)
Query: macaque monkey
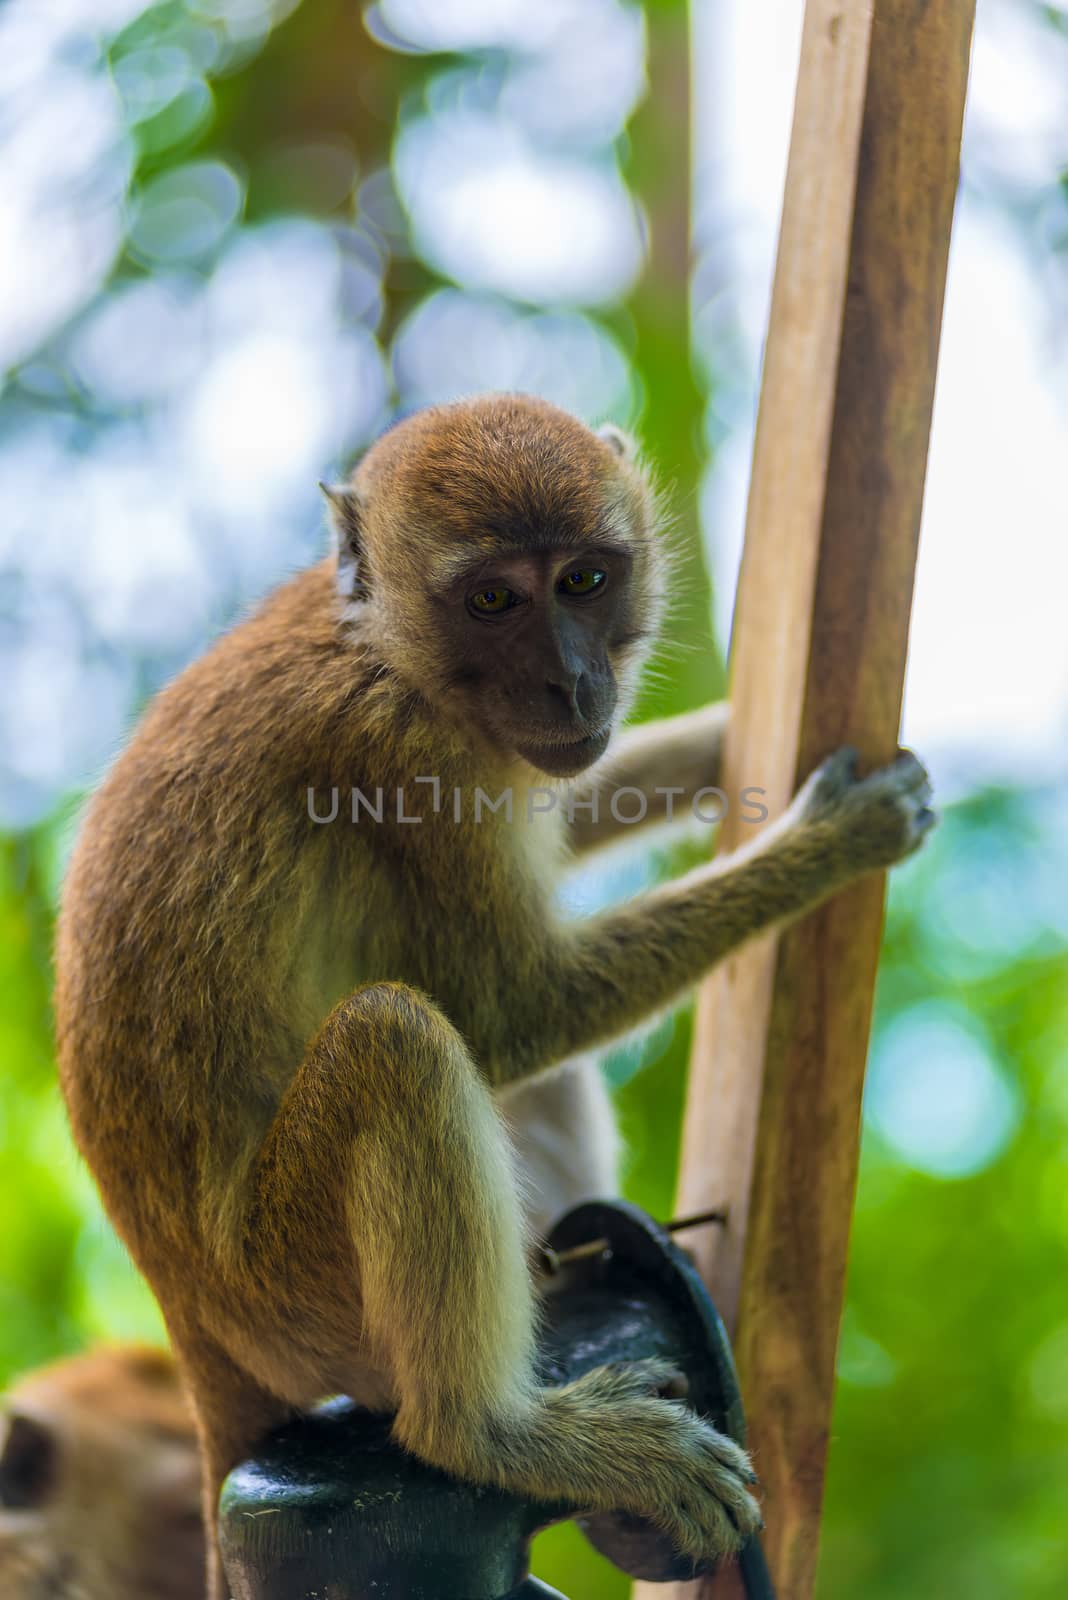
(293, 1050)
(99, 1482)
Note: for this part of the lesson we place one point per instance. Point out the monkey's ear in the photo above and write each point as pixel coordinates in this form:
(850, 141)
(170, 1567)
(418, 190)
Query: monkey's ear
(346, 519)
(616, 440)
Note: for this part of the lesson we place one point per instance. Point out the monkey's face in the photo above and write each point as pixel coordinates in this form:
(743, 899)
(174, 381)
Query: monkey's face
(532, 644)
(507, 558)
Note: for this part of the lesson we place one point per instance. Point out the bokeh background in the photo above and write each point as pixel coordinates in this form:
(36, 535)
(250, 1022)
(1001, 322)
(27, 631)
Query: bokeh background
(236, 238)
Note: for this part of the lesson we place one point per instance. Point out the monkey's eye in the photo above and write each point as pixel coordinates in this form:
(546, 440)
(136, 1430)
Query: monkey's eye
(491, 602)
(583, 580)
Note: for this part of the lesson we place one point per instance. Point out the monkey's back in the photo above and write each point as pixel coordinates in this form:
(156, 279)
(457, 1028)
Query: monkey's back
(176, 992)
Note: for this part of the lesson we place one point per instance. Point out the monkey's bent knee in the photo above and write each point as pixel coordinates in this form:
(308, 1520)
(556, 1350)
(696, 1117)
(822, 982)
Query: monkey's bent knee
(388, 1004)
(397, 1027)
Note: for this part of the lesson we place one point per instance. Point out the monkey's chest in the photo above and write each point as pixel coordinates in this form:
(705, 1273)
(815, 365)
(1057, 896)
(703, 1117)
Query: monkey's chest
(466, 937)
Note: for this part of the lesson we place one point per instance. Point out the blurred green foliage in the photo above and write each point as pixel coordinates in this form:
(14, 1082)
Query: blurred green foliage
(949, 1456)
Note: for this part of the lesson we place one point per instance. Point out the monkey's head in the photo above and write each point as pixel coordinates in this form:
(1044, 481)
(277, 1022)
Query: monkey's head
(99, 1482)
(505, 558)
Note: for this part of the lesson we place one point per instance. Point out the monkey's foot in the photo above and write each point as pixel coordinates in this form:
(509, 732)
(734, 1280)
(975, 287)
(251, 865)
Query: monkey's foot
(689, 1479)
(635, 1323)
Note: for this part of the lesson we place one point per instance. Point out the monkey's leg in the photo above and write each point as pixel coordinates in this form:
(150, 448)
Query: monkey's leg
(389, 1133)
(563, 1128)
(667, 761)
(232, 1414)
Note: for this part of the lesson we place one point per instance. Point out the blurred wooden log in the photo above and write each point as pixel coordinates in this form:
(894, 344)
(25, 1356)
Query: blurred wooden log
(818, 660)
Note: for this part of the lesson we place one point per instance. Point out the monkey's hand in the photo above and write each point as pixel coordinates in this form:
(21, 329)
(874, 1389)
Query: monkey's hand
(871, 822)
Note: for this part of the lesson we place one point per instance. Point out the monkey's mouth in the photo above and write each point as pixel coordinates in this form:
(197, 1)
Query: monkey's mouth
(564, 759)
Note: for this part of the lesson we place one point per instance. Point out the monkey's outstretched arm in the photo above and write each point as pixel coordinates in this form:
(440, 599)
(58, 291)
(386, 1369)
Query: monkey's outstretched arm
(667, 761)
(619, 968)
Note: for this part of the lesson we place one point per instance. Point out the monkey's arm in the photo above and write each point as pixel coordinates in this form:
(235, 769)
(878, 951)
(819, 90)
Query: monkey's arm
(613, 971)
(668, 761)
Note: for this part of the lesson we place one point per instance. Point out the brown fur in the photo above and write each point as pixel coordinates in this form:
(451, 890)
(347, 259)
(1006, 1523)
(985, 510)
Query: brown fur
(280, 1042)
(116, 1513)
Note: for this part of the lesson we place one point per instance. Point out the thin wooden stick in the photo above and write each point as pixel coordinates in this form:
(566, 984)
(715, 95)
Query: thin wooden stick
(818, 660)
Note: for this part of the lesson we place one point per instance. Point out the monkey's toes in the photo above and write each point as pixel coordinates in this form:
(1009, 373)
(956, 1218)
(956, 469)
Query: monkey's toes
(714, 1512)
(631, 1380)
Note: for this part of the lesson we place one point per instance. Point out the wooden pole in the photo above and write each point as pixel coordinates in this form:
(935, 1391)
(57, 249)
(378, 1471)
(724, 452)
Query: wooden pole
(818, 661)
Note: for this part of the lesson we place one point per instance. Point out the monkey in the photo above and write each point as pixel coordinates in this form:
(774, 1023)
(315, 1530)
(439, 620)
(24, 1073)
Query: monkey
(288, 1046)
(100, 1481)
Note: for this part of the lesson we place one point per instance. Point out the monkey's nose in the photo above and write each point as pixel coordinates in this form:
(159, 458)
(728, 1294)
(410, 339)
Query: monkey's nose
(563, 687)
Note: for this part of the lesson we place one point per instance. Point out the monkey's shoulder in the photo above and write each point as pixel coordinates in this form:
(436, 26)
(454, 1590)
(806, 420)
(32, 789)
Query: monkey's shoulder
(284, 702)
